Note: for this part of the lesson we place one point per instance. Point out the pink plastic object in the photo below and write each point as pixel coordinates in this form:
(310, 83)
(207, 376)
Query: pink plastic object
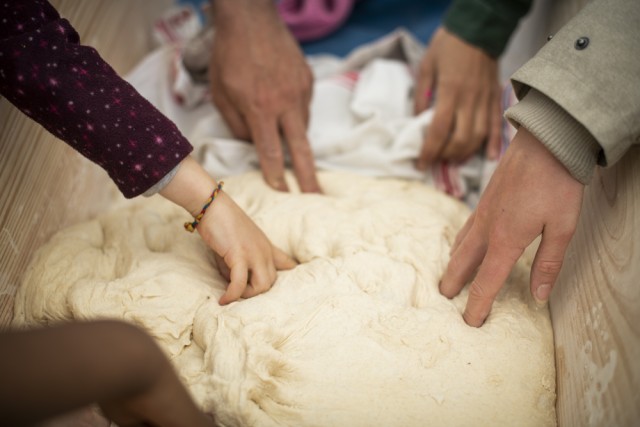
(313, 19)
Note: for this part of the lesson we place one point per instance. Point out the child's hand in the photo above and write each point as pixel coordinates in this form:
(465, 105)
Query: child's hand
(243, 253)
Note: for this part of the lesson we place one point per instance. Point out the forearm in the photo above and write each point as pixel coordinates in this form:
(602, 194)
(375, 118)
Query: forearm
(50, 371)
(73, 93)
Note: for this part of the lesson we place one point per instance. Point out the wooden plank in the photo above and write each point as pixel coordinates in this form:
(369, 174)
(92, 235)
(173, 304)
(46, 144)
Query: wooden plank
(595, 306)
(46, 185)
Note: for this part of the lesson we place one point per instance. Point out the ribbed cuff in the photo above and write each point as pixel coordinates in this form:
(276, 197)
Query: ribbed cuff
(485, 24)
(564, 136)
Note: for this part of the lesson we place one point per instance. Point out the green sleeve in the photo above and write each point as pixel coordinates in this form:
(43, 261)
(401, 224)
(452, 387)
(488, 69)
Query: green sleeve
(487, 24)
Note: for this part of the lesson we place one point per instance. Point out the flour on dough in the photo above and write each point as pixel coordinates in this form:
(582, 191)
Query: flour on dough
(356, 335)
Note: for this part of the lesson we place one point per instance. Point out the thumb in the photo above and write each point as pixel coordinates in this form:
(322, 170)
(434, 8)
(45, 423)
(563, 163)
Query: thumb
(547, 265)
(239, 276)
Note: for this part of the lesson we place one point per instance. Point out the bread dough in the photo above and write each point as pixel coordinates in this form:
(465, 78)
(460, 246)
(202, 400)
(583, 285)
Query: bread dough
(356, 335)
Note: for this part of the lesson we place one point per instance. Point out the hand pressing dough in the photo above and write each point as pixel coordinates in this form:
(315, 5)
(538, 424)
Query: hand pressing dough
(356, 335)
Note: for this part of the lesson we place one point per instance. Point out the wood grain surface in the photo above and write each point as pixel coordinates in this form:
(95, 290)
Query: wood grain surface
(45, 185)
(595, 306)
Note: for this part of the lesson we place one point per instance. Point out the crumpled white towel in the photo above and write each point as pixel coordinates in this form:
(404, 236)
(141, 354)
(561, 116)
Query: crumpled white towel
(361, 117)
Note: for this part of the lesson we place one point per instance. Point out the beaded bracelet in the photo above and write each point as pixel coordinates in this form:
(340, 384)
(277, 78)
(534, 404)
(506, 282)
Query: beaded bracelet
(190, 226)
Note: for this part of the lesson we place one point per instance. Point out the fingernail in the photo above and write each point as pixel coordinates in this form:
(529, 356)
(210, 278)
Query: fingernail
(444, 292)
(473, 321)
(542, 294)
(280, 186)
(313, 189)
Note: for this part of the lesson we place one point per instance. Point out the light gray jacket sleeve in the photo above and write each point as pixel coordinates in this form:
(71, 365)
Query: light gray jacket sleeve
(580, 94)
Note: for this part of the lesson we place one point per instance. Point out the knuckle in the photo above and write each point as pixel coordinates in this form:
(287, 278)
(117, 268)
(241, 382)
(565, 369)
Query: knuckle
(479, 291)
(501, 235)
(272, 153)
(438, 130)
(457, 144)
(288, 96)
(483, 219)
(566, 233)
(452, 86)
(477, 137)
(262, 101)
(231, 84)
(549, 267)
(301, 148)
(261, 285)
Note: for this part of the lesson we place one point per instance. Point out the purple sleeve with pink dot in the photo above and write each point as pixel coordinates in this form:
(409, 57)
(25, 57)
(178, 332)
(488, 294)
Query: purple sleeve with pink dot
(73, 93)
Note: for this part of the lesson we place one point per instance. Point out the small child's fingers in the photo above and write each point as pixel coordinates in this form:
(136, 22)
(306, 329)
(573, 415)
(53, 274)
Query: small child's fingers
(239, 276)
(262, 278)
(222, 267)
(282, 260)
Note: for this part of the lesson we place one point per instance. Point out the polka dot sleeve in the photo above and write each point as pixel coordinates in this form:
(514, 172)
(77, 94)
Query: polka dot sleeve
(72, 92)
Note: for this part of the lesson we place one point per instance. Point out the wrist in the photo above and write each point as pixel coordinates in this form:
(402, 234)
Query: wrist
(567, 139)
(190, 187)
(539, 160)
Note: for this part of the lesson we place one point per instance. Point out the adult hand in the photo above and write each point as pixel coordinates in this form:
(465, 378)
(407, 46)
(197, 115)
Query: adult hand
(530, 193)
(467, 103)
(262, 86)
(244, 255)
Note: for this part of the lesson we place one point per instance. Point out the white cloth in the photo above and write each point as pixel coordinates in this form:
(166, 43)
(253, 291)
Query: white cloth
(361, 117)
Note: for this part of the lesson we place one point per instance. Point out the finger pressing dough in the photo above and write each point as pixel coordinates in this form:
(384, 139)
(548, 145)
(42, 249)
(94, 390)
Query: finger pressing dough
(356, 335)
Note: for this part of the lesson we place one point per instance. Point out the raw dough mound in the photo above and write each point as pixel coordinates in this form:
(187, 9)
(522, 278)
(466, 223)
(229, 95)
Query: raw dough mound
(356, 335)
